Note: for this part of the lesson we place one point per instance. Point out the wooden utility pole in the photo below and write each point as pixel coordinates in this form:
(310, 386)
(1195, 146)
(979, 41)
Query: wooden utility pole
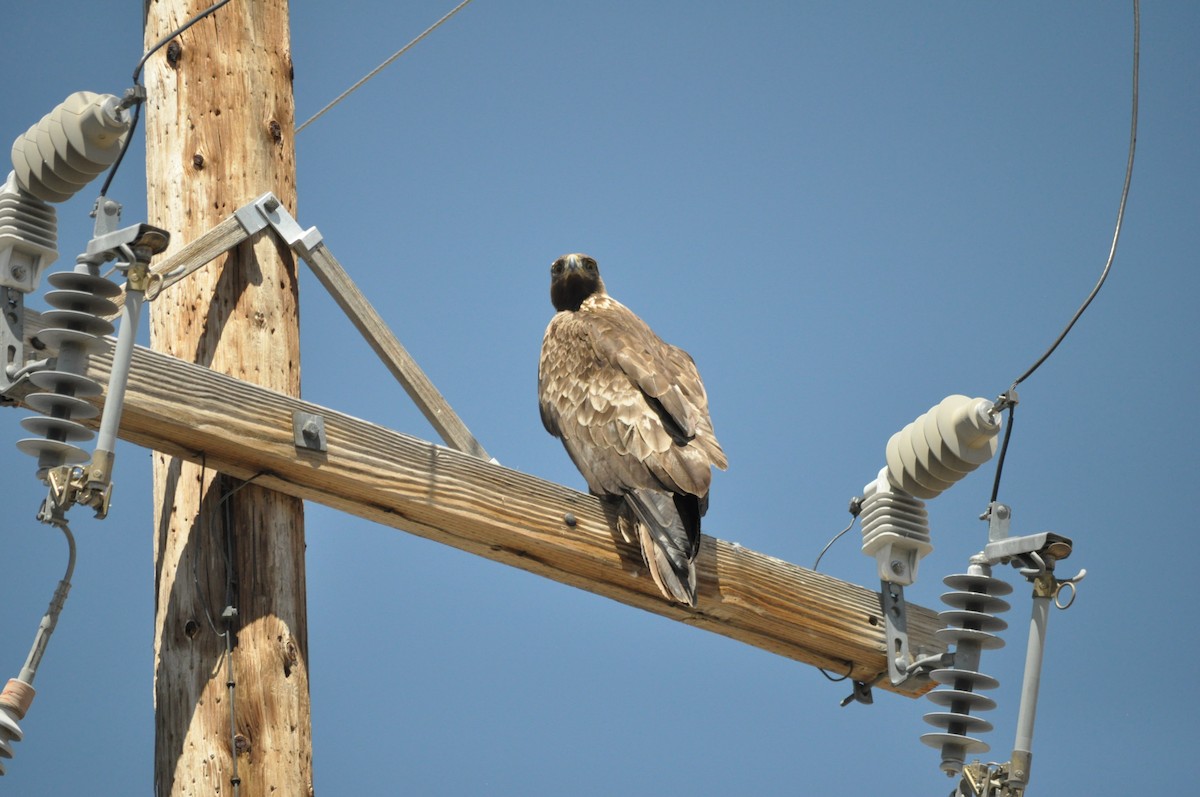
(229, 555)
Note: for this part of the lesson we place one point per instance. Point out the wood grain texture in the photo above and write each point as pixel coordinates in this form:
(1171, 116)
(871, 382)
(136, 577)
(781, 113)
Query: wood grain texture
(501, 514)
(219, 122)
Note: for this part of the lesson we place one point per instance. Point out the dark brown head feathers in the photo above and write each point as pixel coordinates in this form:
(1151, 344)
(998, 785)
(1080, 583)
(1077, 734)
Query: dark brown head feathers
(574, 278)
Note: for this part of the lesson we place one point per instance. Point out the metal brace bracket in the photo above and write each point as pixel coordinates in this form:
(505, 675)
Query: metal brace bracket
(999, 520)
(268, 211)
(895, 625)
(12, 342)
(1002, 548)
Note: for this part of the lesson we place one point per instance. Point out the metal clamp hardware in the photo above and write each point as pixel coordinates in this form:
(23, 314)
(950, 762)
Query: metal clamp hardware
(1035, 557)
(268, 211)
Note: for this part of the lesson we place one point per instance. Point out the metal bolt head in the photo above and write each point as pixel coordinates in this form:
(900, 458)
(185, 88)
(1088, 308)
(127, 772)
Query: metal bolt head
(898, 567)
(309, 431)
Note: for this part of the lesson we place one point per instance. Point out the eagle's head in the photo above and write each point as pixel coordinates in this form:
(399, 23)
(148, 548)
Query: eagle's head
(574, 278)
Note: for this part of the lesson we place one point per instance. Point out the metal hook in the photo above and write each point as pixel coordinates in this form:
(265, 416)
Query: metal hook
(126, 256)
(154, 285)
(1058, 590)
(1038, 565)
(1067, 582)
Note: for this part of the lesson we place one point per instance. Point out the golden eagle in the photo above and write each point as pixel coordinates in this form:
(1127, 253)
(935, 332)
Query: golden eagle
(633, 415)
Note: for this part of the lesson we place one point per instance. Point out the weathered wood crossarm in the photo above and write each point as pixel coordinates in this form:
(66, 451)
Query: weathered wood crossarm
(376, 473)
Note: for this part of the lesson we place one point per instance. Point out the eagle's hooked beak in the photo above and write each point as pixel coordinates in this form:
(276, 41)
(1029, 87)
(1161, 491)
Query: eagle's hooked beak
(574, 263)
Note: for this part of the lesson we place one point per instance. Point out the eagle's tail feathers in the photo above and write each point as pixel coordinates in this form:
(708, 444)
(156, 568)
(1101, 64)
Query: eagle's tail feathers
(669, 542)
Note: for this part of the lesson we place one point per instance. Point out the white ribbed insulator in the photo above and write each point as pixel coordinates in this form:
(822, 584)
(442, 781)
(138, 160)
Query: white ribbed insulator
(10, 732)
(28, 237)
(895, 529)
(14, 703)
(942, 446)
(72, 144)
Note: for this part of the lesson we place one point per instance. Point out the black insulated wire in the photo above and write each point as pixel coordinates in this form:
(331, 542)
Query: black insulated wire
(1003, 452)
(138, 93)
(1112, 252)
(1008, 400)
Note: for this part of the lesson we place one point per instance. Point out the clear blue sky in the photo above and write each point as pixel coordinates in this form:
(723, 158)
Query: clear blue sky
(845, 212)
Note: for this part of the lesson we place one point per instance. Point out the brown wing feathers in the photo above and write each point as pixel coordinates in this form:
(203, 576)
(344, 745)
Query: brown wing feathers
(633, 415)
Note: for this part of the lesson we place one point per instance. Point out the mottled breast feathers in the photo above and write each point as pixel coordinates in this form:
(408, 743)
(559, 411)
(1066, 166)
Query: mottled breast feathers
(630, 409)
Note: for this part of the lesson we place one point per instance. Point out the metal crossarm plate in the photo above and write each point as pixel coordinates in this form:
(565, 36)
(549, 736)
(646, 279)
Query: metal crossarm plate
(895, 624)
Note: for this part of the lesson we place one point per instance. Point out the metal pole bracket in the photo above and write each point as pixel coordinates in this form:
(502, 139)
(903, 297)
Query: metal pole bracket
(268, 211)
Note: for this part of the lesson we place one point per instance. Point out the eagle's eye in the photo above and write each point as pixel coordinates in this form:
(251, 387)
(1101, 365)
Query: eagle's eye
(589, 264)
(557, 267)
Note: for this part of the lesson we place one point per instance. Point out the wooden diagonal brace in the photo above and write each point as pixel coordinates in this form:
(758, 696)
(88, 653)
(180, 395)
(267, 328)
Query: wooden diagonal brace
(267, 213)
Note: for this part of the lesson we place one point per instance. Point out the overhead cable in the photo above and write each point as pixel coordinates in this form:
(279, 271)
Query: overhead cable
(1008, 400)
(1112, 252)
(384, 65)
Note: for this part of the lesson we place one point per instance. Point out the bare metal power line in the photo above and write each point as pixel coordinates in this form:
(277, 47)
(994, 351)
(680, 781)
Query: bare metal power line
(384, 65)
